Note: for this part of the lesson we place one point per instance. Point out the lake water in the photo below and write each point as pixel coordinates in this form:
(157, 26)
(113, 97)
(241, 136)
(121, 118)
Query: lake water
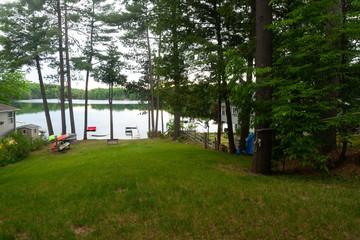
(125, 113)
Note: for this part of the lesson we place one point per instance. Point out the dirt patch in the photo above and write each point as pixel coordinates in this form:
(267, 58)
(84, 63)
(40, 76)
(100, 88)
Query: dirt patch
(350, 166)
(21, 235)
(81, 230)
(120, 190)
(230, 167)
(2, 219)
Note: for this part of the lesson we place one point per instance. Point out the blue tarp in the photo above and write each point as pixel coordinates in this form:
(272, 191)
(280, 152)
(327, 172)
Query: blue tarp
(249, 145)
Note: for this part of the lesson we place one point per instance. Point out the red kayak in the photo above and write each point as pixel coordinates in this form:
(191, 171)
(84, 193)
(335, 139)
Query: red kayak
(91, 128)
(62, 137)
(53, 146)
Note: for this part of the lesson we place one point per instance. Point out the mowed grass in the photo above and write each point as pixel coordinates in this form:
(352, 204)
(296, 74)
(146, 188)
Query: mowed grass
(156, 189)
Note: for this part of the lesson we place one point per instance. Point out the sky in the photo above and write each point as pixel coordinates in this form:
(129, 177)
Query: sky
(32, 76)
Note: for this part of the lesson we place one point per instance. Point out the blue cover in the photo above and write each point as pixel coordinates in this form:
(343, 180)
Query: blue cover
(249, 145)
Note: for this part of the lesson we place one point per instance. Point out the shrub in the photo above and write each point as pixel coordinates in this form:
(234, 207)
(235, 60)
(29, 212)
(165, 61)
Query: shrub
(39, 142)
(14, 149)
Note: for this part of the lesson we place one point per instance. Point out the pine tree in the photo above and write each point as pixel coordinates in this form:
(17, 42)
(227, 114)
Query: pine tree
(109, 72)
(28, 36)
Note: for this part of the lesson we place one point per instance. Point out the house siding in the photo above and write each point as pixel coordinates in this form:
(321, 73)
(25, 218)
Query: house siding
(7, 126)
(234, 115)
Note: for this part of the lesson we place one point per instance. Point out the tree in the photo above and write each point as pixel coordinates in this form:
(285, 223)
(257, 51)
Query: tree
(61, 67)
(216, 28)
(12, 82)
(172, 21)
(68, 69)
(310, 60)
(136, 21)
(28, 36)
(261, 162)
(95, 32)
(109, 72)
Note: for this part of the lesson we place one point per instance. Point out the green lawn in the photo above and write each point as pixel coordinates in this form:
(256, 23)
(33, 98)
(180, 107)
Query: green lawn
(156, 189)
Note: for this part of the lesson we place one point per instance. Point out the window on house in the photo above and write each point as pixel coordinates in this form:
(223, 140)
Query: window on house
(235, 111)
(24, 132)
(11, 117)
(34, 130)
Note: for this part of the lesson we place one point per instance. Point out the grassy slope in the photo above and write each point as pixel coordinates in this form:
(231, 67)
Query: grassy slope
(164, 190)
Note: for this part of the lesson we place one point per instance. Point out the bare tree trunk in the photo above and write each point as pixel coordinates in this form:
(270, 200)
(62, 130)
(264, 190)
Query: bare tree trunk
(43, 96)
(68, 75)
(177, 115)
(62, 75)
(221, 76)
(151, 82)
(230, 127)
(88, 72)
(162, 121)
(158, 88)
(111, 93)
(261, 162)
(219, 129)
(149, 118)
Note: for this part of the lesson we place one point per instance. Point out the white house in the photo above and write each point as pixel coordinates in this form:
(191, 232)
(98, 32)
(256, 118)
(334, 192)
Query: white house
(7, 119)
(234, 115)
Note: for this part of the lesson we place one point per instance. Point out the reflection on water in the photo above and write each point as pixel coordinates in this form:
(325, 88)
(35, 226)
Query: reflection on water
(28, 107)
(125, 114)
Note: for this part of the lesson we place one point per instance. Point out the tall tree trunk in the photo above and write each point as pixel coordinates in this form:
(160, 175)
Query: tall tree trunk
(261, 162)
(162, 121)
(158, 88)
(230, 126)
(177, 115)
(43, 96)
(68, 75)
(111, 94)
(62, 75)
(219, 129)
(149, 118)
(88, 72)
(151, 82)
(221, 70)
(344, 62)
(246, 109)
(329, 135)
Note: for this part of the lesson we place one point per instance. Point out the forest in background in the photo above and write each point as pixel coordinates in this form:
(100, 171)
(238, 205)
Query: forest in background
(53, 92)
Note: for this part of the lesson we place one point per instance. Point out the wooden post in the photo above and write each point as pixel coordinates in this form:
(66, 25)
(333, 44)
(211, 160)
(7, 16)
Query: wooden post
(205, 140)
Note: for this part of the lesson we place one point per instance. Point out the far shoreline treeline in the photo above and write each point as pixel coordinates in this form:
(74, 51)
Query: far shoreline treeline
(53, 92)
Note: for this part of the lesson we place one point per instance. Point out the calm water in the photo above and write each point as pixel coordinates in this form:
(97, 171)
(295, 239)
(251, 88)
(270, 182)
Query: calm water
(125, 113)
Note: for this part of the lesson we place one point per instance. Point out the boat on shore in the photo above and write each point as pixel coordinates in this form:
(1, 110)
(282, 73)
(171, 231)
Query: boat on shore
(98, 134)
(91, 129)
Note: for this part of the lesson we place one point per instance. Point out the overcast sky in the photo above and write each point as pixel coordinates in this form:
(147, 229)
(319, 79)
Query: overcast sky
(32, 75)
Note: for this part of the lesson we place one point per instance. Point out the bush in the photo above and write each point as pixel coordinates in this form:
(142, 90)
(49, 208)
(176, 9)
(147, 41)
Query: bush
(14, 148)
(39, 142)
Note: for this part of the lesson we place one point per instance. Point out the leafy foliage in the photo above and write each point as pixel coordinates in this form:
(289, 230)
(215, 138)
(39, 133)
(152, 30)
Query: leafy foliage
(12, 82)
(14, 149)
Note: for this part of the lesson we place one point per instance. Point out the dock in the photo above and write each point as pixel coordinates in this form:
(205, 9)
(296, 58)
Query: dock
(132, 131)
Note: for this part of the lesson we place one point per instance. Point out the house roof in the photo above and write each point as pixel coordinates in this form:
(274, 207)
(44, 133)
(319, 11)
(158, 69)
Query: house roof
(6, 108)
(31, 126)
